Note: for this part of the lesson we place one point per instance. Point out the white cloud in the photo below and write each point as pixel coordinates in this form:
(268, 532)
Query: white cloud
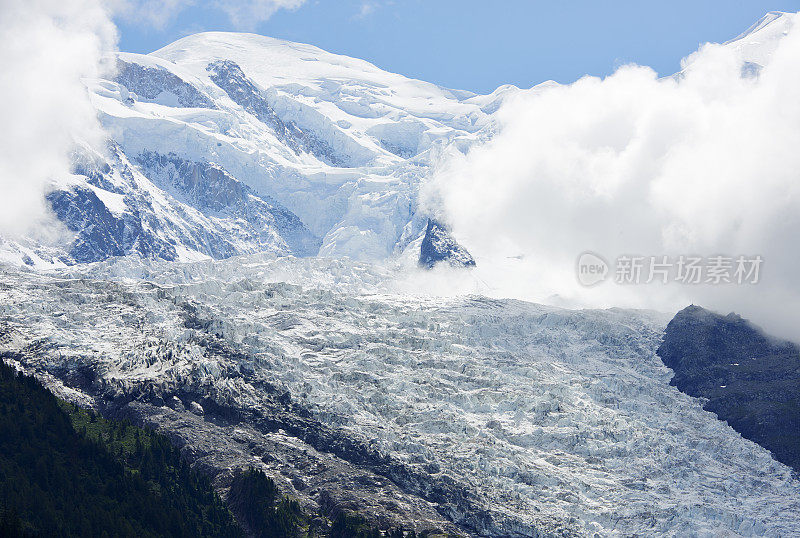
(48, 47)
(640, 165)
(247, 14)
(367, 8)
(153, 13)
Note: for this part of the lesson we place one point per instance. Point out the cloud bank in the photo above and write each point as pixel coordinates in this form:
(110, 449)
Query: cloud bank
(705, 163)
(48, 47)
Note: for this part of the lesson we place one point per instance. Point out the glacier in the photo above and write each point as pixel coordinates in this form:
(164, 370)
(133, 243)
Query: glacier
(240, 273)
(503, 417)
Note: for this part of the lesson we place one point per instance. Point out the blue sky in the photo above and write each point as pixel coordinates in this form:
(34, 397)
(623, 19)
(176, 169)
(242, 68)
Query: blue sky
(477, 45)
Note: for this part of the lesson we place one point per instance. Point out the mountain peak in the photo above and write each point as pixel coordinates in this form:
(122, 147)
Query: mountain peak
(772, 24)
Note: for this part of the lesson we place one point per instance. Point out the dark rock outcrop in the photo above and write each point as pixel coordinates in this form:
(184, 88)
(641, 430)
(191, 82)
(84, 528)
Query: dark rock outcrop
(213, 191)
(751, 380)
(102, 234)
(324, 468)
(151, 83)
(439, 246)
(205, 210)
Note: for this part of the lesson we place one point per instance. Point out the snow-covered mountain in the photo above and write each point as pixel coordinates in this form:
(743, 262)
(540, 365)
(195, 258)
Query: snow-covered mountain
(278, 172)
(224, 144)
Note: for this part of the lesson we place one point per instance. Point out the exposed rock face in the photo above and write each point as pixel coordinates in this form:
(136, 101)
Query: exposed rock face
(751, 380)
(306, 468)
(101, 233)
(439, 246)
(162, 206)
(153, 83)
(213, 191)
(323, 467)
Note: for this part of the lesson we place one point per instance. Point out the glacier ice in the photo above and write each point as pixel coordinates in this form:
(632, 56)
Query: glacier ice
(546, 420)
(238, 155)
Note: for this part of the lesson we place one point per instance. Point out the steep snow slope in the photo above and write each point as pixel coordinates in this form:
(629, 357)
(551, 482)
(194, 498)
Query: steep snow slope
(757, 43)
(245, 144)
(366, 108)
(336, 140)
(511, 418)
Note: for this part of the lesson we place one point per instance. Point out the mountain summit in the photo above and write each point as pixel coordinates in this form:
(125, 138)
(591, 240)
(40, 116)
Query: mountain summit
(225, 143)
